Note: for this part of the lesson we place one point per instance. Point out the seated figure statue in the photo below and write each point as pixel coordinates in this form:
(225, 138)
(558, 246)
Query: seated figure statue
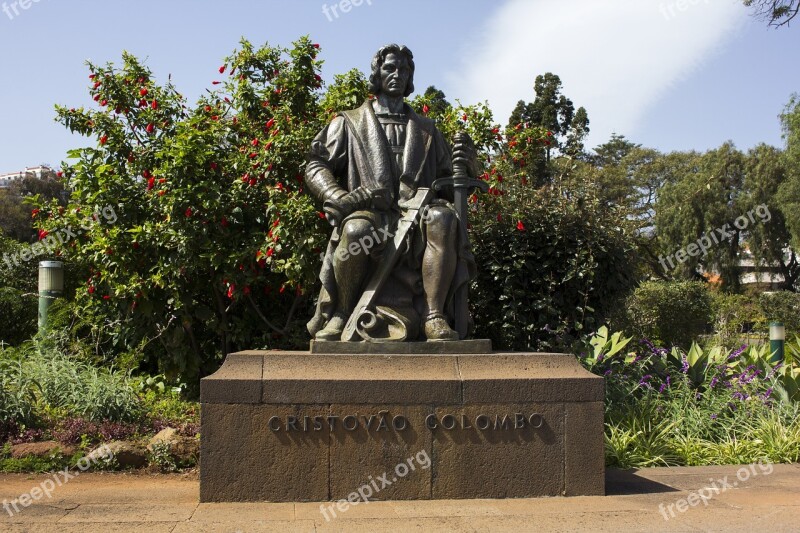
(399, 252)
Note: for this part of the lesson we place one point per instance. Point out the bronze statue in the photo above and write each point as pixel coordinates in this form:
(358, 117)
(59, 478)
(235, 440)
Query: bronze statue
(398, 262)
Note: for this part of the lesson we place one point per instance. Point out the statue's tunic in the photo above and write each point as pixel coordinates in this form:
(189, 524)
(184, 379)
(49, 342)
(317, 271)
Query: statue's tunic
(399, 153)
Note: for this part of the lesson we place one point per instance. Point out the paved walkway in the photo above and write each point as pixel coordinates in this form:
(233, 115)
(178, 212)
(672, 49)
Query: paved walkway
(659, 499)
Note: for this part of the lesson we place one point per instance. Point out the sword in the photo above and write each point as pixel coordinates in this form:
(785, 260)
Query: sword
(390, 257)
(463, 186)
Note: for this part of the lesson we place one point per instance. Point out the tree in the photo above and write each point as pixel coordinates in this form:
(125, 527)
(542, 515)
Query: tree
(693, 203)
(215, 243)
(788, 192)
(768, 237)
(776, 12)
(613, 152)
(556, 113)
(16, 220)
(436, 101)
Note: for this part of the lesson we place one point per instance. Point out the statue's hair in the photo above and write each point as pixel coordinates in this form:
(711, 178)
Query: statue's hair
(380, 58)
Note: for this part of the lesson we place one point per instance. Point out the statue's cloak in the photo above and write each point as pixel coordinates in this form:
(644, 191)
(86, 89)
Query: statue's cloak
(351, 152)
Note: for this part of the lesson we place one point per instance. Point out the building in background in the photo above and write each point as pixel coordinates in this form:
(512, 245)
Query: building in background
(38, 172)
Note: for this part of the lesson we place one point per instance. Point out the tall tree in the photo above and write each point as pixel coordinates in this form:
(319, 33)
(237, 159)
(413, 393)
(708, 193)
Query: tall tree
(776, 12)
(788, 194)
(695, 203)
(768, 236)
(554, 111)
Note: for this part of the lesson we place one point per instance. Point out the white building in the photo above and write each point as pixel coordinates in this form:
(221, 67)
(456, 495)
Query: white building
(39, 172)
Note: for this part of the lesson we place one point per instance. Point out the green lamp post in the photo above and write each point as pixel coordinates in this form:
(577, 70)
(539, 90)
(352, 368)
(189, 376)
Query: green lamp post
(777, 337)
(51, 286)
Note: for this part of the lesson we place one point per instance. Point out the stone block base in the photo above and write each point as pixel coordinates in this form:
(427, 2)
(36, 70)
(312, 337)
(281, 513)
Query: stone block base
(289, 426)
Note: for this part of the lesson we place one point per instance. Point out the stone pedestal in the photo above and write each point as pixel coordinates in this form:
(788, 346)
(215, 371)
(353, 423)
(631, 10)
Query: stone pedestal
(291, 426)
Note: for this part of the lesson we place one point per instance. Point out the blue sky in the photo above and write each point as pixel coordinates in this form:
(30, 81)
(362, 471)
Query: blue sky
(666, 77)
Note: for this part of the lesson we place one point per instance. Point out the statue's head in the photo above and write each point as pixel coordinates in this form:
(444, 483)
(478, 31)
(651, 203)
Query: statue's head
(392, 65)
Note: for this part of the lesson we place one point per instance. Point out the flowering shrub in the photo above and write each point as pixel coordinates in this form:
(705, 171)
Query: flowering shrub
(215, 243)
(709, 406)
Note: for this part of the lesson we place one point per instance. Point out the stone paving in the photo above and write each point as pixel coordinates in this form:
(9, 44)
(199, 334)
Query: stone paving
(659, 499)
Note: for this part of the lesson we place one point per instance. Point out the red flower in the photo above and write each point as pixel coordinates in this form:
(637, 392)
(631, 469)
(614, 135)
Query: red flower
(188, 212)
(270, 252)
(42, 234)
(154, 105)
(425, 109)
(315, 45)
(270, 123)
(321, 215)
(34, 212)
(215, 82)
(60, 174)
(231, 290)
(520, 225)
(224, 222)
(104, 103)
(97, 84)
(254, 142)
(106, 297)
(464, 117)
(162, 193)
(222, 69)
(151, 183)
(213, 166)
(92, 76)
(143, 92)
(91, 290)
(150, 127)
(103, 139)
(499, 217)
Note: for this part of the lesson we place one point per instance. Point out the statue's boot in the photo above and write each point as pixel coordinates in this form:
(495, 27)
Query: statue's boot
(333, 329)
(437, 329)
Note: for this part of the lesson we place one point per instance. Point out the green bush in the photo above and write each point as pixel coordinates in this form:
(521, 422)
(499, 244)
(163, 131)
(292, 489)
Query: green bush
(550, 268)
(18, 316)
(783, 306)
(736, 315)
(673, 313)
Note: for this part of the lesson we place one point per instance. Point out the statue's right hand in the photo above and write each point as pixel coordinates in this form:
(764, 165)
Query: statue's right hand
(334, 212)
(337, 209)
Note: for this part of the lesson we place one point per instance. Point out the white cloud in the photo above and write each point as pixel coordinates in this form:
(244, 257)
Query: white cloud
(614, 57)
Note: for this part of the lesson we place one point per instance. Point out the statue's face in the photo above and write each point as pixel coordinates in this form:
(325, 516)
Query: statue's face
(395, 74)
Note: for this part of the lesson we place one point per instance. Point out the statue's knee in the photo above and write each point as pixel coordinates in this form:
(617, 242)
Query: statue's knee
(356, 229)
(441, 219)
